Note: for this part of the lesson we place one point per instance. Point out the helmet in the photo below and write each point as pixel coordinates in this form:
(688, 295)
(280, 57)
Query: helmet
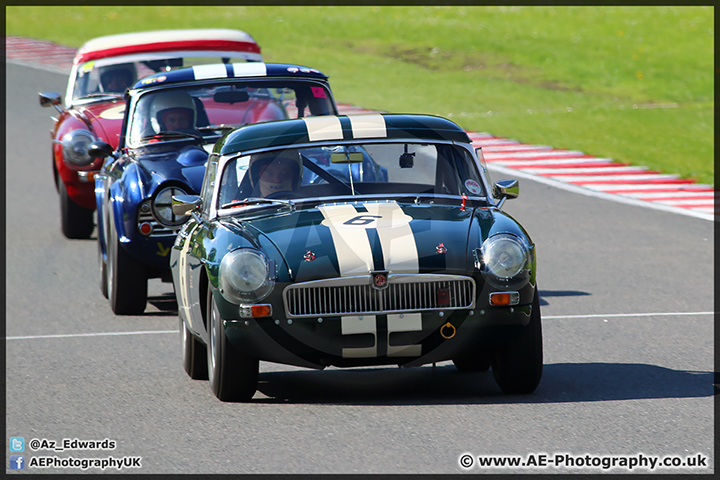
(276, 171)
(175, 101)
(116, 78)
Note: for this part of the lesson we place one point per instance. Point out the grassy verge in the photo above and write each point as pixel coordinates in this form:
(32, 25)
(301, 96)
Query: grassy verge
(635, 84)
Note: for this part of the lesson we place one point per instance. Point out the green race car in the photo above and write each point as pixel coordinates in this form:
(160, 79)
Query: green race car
(353, 241)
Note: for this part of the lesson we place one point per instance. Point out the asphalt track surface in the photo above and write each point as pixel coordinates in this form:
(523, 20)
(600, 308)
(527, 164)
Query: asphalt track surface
(627, 302)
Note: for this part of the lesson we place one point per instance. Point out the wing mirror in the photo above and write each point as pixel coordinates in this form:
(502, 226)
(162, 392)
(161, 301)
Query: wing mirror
(51, 99)
(506, 189)
(185, 204)
(100, 149)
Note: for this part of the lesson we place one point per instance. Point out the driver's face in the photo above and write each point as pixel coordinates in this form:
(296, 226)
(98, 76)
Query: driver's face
(275, 177)
(116, 83)
(176, 119)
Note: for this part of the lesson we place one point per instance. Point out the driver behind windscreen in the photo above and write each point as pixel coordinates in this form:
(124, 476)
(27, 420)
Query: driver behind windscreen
(117, 78)
(172, 111)
(274, 173)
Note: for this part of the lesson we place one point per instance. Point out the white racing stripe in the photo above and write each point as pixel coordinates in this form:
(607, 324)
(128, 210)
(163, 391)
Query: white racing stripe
(408, 322)
(359, 325)
(348, 228)
(323, 128)
(352, 245)
(396, 237)
(250, 69)
(368, 126)
(202, 72)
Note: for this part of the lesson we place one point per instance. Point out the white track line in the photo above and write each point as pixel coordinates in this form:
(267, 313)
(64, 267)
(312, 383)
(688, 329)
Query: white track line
(77, 335)
(545, 317)
(626, 315)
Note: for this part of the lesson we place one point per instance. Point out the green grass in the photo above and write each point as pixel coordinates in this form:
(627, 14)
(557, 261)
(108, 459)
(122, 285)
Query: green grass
(582, 78)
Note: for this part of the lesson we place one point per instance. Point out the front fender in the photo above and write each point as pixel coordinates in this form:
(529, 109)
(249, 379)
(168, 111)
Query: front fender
(126, 193)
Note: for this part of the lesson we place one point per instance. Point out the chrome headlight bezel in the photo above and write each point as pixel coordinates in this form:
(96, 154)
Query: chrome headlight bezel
(246, 276)
(504, 260)
(162, 206)
(74, 147)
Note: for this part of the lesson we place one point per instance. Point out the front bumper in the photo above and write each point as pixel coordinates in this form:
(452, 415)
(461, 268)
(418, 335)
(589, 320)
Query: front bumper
(410, 339)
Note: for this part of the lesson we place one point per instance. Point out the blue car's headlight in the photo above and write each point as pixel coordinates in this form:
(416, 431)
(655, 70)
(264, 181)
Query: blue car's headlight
(162, 206)
(246, 276)
(503, 257)
(75, 145)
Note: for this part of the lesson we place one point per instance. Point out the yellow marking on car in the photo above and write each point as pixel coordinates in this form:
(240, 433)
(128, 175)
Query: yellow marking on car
(162, 251)
(114, 113)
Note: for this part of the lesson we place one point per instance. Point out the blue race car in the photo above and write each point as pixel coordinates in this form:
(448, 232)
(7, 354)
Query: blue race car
(171, 122)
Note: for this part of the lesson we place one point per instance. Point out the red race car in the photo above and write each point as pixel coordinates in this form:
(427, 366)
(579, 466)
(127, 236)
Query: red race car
(102, 70)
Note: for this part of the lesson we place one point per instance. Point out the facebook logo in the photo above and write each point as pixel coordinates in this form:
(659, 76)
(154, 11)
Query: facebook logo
(17, 462)
(17, 444)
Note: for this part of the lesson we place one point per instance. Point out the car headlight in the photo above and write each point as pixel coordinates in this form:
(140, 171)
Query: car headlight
(503, 256)
(246, 276)
(74, 147)
(162, 206)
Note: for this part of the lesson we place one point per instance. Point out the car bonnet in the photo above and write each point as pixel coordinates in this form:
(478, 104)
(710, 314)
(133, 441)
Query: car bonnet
(357, 238)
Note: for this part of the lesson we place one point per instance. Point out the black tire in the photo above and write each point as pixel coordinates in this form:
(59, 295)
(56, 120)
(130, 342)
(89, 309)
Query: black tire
(474, 362)
(76, 222)
(517, 365)
(126, 279)
(194, 354)
(233, 376)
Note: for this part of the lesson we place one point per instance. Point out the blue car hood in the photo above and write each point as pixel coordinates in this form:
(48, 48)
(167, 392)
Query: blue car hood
(186, 165)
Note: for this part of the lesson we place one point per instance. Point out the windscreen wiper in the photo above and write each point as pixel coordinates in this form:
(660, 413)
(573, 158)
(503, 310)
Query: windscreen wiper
(258, 201)
(173, 134)
(223, 127)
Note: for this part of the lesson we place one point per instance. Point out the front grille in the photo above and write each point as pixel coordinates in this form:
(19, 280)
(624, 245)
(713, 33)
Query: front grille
(159, 229)
(356, 295)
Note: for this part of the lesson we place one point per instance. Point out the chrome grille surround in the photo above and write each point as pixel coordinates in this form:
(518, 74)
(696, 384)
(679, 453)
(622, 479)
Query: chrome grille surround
(405, 293)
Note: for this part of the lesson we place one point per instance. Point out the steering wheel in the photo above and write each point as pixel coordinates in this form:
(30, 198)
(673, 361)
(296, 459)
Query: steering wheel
(285, 194)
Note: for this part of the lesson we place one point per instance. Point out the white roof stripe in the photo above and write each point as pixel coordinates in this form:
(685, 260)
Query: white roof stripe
(249, 69)
(202, 72)
(368, 126)
(323, 128)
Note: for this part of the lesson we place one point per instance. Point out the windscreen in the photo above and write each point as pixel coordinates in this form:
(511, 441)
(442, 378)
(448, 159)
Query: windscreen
(434, 169)
(209, 110)
(113, 75)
